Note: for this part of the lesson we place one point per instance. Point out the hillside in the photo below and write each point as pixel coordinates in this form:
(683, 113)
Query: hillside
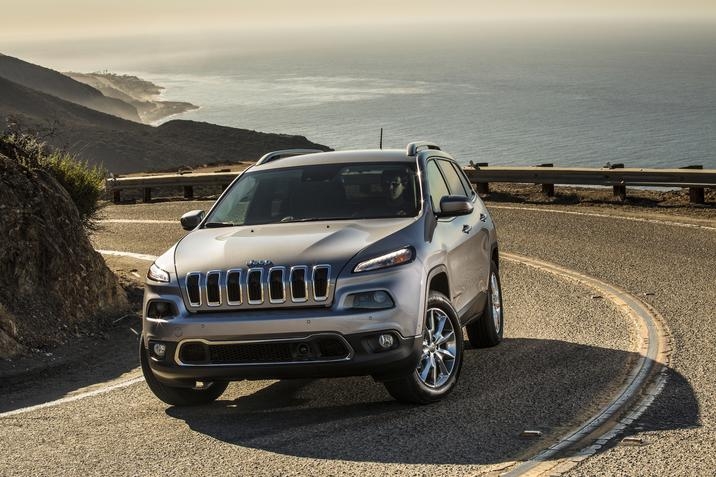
(56, 84)
(143, 95)
(123, 146)
(53, 283)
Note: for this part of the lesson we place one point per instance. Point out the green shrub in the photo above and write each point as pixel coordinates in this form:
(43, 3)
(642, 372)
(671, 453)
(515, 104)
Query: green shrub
(83, 183)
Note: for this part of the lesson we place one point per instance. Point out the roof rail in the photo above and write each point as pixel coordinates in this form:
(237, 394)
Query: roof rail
(275, 155)
(413, 147)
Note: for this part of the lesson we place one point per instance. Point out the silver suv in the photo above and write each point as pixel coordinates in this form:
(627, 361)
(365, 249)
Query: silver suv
(321, 264)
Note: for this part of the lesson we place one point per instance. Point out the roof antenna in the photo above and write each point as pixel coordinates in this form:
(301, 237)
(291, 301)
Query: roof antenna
(381, 138)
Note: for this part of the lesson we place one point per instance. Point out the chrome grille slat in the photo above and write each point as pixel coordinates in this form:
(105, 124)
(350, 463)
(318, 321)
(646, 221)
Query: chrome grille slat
(299, 284)
(193, 288)
(252, 292)
(277, 287)
(233, 287)
(213, 288)
(321, 279)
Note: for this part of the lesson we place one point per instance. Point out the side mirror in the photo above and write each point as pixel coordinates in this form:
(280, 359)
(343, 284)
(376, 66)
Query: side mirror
(454, 205)
(191, 219)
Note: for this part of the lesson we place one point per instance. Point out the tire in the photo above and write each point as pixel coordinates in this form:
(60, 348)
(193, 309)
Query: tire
(487, 330)
(429, 382)
(177, 396)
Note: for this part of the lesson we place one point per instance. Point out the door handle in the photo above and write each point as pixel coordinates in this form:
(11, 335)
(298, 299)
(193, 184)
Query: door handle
(466, 228)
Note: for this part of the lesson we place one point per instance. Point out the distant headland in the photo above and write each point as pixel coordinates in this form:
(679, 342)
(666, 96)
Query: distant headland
(144, 95)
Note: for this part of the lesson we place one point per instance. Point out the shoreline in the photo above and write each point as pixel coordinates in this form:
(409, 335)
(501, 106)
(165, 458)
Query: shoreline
(144, 95)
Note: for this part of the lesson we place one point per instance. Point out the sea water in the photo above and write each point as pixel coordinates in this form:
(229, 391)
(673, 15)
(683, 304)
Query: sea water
(571, 96)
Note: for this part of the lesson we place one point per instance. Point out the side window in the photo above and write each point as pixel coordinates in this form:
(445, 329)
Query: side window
(437, 185)
(465, 182)
(453, 179)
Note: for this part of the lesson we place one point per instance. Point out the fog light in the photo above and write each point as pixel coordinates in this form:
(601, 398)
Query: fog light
(386, 341)
(380, 297)
(160, 349)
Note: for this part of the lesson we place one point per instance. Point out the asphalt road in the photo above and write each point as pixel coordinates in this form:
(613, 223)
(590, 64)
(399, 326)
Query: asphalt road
(564, 356)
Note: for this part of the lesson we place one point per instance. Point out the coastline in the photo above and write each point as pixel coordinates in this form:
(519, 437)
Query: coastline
(142, 94)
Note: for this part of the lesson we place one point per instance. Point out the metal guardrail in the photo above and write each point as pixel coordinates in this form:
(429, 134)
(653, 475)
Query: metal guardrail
(187, 181)
(693, 177)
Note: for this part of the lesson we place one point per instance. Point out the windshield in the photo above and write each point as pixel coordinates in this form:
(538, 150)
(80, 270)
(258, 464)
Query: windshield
(320, 192)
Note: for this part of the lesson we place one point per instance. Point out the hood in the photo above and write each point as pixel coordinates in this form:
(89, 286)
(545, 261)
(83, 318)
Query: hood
(307, 243)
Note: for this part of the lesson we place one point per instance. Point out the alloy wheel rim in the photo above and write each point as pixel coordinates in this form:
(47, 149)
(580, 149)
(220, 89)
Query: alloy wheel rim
(439, 357)
(496, 301)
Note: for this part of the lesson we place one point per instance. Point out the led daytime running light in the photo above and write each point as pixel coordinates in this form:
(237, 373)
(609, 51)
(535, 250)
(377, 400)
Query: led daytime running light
(399, 257)
(157, 274)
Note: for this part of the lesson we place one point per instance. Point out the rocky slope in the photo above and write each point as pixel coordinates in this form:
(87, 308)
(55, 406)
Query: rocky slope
(52, 282)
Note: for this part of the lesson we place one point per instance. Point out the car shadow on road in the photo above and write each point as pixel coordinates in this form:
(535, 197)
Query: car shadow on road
(522, 384)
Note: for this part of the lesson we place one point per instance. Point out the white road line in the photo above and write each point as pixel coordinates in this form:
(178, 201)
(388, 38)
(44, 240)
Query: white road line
(137, 221)
(138, 256)
(654, 351)
(77, 397)
(604, 216)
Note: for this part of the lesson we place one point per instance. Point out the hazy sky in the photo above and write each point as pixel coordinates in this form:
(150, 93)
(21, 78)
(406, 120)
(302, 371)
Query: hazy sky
(37, 19)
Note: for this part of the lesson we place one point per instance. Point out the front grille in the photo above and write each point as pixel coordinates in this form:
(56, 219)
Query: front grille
(271, 287)
(193, 353)
(332, 348)
(250, 353)
(317, 348)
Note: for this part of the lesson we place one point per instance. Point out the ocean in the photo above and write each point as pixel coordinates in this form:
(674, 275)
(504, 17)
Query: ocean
(570, 95)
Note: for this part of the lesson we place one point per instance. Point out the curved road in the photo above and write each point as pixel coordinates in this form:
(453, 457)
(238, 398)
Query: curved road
(565, 354)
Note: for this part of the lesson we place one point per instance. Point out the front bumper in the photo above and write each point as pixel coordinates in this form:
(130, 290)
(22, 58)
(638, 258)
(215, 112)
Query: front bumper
(364, 359)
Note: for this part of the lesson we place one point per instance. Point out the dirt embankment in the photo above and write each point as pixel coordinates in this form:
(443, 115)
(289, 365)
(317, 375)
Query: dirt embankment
(52, 282)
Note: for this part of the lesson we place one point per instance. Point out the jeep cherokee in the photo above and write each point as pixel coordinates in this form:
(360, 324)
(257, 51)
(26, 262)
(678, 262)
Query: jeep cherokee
(319, 264)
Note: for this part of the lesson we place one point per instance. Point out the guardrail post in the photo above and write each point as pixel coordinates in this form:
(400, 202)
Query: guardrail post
(696, 194)
(547, 189)
(188, 192)
(117, 196)
(147, 194)
(619, 190)
(483, 188)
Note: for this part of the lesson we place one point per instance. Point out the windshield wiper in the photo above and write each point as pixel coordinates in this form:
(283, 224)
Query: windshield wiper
(216, 225)
(311, 219)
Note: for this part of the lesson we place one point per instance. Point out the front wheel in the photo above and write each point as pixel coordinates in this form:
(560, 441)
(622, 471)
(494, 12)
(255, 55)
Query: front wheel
(439, 366)
(179, 396)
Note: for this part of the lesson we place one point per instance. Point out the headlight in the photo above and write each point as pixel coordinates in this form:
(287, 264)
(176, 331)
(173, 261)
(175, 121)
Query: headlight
(372, 300)
(399, 257)
(157, 274)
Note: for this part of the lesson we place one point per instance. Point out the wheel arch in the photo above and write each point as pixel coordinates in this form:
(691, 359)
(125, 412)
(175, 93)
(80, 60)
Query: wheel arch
(438, 280)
